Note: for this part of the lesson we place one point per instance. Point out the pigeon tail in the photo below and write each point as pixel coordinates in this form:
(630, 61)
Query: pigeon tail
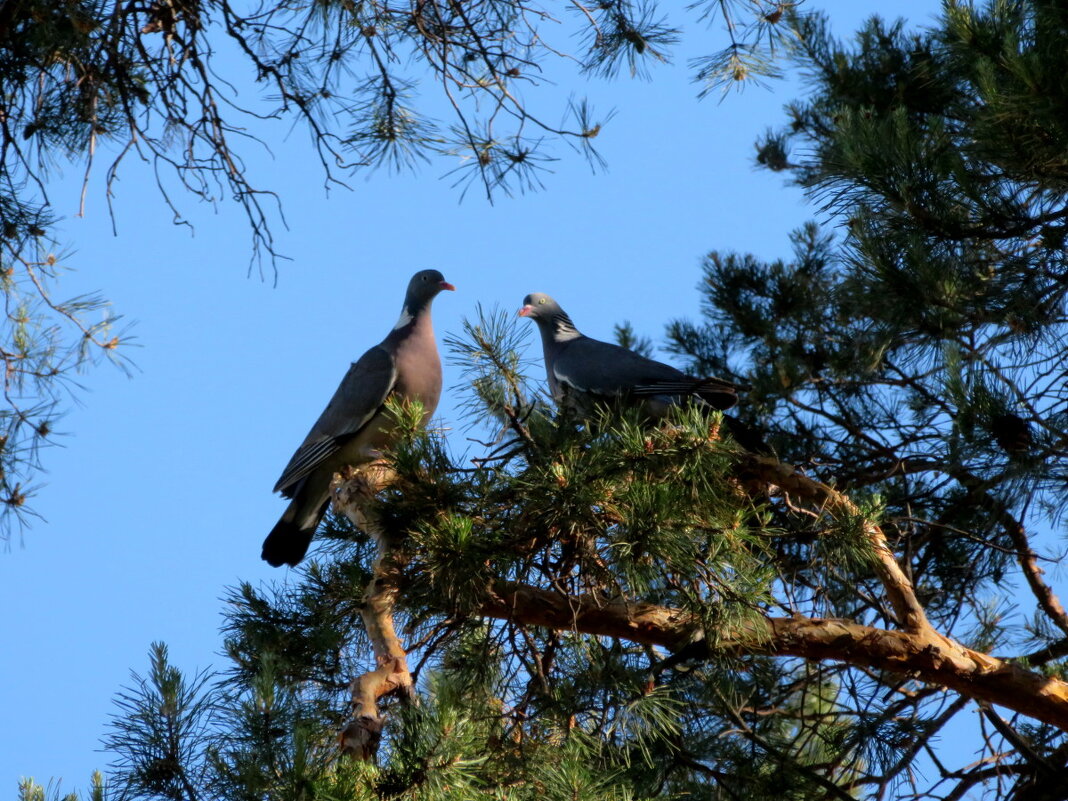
(715, 392)
(289, 539)
(717, 397)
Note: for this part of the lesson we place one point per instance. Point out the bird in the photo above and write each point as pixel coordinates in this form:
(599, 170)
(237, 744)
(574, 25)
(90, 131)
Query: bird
(583, 371)
(354, 426)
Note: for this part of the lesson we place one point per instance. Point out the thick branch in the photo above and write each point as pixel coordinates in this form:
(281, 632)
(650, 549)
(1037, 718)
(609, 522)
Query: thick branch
(354, 498)
(926, 655)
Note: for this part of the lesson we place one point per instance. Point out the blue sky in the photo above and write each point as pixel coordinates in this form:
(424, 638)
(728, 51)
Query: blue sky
(161, 493)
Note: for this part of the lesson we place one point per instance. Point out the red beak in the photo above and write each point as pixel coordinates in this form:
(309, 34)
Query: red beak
(448, 286)
(526, 310)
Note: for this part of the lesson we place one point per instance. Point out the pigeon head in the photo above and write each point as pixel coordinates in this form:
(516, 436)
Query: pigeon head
(539, 306)
(551, 319)
(423, 288)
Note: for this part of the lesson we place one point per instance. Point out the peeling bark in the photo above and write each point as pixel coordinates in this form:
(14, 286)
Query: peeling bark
(354, 497)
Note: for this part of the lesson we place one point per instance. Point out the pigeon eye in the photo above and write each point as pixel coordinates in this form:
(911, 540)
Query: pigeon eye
(541, 302)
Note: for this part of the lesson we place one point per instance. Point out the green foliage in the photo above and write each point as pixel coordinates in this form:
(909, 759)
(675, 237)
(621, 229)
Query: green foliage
(29, 790)
(917, 357)
(160, 736)
(913, 361)
(918, 354)
(615, 509)
(488, 354)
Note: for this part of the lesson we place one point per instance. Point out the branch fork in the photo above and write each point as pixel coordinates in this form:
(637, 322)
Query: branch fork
(354, 496)
(915, 649)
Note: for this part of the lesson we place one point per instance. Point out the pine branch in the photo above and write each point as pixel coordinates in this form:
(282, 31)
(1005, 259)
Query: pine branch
(934, 659)
(355, 497)
(1014, 529)
(899, 589)
(1045, 596)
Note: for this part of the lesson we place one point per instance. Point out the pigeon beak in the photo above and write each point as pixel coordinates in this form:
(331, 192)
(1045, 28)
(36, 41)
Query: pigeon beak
(526, 310)
(447, 285)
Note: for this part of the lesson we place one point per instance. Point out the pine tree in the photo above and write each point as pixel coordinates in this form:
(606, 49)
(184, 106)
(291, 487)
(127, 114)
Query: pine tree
(606, 609)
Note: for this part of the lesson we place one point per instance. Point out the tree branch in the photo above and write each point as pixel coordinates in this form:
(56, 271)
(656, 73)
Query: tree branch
(926, 655)
(1013, 528)
(1025, 555)
(354, 497)
(899, 589)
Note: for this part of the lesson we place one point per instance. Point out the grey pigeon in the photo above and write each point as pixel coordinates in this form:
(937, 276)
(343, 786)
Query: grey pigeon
(583, 370)
(353, 427)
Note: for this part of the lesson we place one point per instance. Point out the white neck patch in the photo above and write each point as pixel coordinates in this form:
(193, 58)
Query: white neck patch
(404, 319)
(566, 335)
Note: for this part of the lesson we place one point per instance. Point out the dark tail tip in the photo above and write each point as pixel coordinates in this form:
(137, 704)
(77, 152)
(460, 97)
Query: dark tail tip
(286, 544)
(718, 399)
